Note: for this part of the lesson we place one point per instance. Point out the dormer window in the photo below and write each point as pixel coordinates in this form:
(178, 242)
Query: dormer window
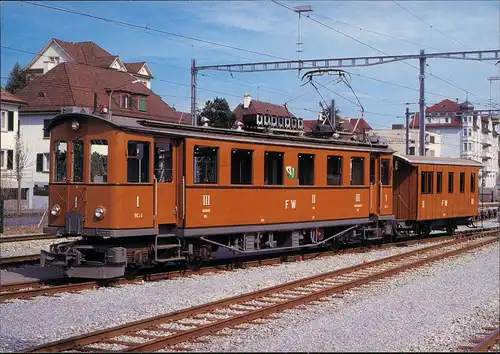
(126, 101)
(142, 104)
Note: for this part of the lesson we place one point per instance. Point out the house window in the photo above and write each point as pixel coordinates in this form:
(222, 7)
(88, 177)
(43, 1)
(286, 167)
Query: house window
(465, 146)
(2, 158)
(273, 168)
(473, 182)
(142, 104)
(138, 162)
(386, 172)
(3, 122)
(163, 162)
(78, 161)
(357, 171)
(450, 182)
(206, 164)
(10, 121)
(334, 170)
(306, 169)
(126, 101)
(439, 186)
(447, 120)
(462, 182)
(412, 150)
(432, 139)
(41, 190)
(241, 166)
(7, 159)
(98, 161)
(60, 148)
(46, 133)
(465, 132)
(42, 162)
(427, 182)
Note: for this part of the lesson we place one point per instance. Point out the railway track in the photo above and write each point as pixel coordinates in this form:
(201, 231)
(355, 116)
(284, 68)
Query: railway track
(59, 285)
(488, 340)
(19, 260)
(193, 325)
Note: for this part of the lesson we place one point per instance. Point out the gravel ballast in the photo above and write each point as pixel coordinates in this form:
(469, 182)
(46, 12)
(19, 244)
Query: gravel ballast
(21, 248)
(43, 319)
(436, 308)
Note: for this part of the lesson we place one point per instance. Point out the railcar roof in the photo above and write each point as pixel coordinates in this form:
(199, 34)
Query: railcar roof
(173, 129)
(429, 160)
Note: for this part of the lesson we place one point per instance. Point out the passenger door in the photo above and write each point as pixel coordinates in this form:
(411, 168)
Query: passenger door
(375, 185)
(165, 184)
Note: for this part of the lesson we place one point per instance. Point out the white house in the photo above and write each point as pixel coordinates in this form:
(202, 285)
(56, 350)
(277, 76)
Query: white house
(9, 128)
(57, 51)
(467, 133)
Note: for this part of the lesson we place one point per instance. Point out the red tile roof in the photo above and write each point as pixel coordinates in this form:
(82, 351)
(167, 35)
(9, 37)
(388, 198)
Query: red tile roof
(87, 53)
(183, 117)
(134, 67)
(445, 106)
(72, 84)
(362, 125)
(259, 107)
(6, 96)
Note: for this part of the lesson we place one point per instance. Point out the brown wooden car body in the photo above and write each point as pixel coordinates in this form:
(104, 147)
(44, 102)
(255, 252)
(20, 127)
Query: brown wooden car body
(143, 191)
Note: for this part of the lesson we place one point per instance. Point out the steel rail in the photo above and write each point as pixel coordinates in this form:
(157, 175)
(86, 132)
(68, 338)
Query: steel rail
(46, 287)
(19, 238)
(178, 336)
(25, 258)
(488, 341)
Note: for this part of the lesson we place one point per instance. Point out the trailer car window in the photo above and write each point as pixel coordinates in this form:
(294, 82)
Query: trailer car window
(462, 182)
(78, 161)
(138, 162)
(473, 182)
(306, 169)
(241, 166)
(450, 182)
(386, 172)
(99, 161)
(334, 170)
(163, 162)
(357, 171)
(206, 164)
(439, 184)
(427, 182)
(273, 168)
(61, 156)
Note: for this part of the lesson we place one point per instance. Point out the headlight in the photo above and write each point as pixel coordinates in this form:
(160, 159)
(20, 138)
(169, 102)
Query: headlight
(99, 212)
(55, 210)
(75, 125)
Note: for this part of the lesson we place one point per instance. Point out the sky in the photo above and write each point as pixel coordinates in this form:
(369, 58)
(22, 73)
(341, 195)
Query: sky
(264, 31)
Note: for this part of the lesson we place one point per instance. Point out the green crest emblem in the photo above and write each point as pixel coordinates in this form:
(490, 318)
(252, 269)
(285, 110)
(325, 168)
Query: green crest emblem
(290, 172)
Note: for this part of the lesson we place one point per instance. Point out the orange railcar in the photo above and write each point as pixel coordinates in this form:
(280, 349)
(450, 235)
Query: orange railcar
(142, 191)
(435, 192)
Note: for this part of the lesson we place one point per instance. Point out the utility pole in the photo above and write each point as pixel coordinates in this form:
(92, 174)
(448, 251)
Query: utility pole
(332, 115)
(422, 102)
(407, 115)
(194, 75)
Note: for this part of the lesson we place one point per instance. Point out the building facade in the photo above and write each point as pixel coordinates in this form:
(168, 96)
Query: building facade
(396, 139)
(467, 133)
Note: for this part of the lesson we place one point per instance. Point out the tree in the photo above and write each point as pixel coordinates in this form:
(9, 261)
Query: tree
(17, 79)
(325, 111)
(218, 113)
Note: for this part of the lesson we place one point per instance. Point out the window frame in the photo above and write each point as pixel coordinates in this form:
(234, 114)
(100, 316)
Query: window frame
(3, 159)
(3, 121)
(73, 161)
(217, 160)
(473, 182)
(46, 133)
(233, 154)
(451, 182)
(90, 160)
(169, 178)
(305, 177)
(281, 177)
(142, 104)
(462, 182)
(340, 163)
(363, 171)
(439, 182)
(55, 175)
(388, 172)
(427, 182)
(148, 169)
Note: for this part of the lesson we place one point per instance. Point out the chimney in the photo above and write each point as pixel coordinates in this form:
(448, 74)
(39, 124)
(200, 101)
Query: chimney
(246, 100)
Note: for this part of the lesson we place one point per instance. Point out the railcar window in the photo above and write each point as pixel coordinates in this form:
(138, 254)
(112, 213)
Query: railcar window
(372, 170)
(163, 162)
(138, 162)
(439, 186)
(61, 155)
(78, 161)
(99, 161)
(273, 168)
(427, 182)
(462, 182)
(241, 166)
(306, 169)
(473, 182)
(206, 164)
(357, 171)
(386, 172)
(450, 182)
(334, 170)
